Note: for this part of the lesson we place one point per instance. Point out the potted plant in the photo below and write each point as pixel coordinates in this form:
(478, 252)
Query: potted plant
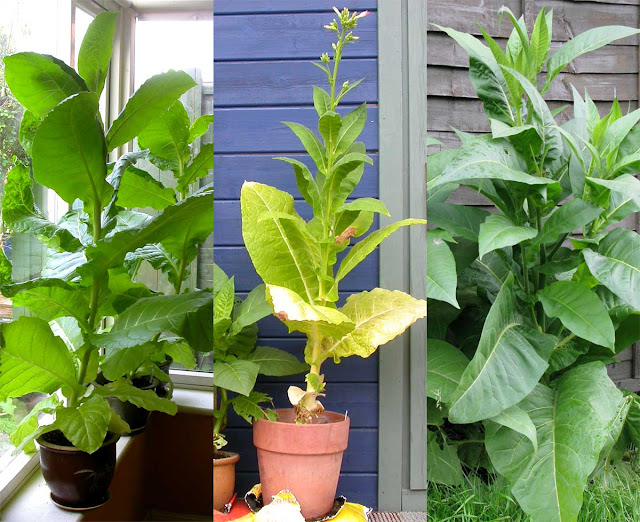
(528, 304)
(237, 364)
(57, 350)
(302, 450)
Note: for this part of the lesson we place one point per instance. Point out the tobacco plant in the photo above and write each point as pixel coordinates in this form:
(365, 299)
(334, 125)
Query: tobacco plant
(527, 304)
(86, 280)
(237, 359)
(296, 259)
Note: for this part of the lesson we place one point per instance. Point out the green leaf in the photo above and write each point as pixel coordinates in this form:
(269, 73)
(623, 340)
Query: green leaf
(311, 143)
(28, 127)
(69, 152)
(498, 231)
(346, 175)
(200, 127)
(379, 316)
(306, 184)
(616, 264)
(121, 361)
(85, 426)
(505, 367)
(352, 126)
(33, 359)
(361, 250)
(147, 399)
(444, 465)
(572, 215)
(445, 366)
(540, 40)
(149, 102)
(224, 299)
(251, 310)
(485, 159)
(249, 407)
(280, 251)
(25, 433)
(276, 363)
(628, 332)
(158, 258)
(167, 138)
(40, 82)
(329, 126)
(626, 184)
(20, 214)
(298, 315)
(321, 100)
(138, 189)
(182, 353)
(572, 424)
(583, 43)
(95, 51)
(580, 310)
(150, 316)
(197, 329)
(368, 204)
(436, 412)
(441, 271)
(237, 376)
(198, 168)
(618, 130)
(518, 420)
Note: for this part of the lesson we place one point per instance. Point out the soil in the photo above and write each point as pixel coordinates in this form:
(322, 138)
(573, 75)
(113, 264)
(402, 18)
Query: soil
(220, 454)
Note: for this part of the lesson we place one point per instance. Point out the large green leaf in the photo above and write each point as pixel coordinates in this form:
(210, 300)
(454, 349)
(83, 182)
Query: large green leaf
(147, 399)
(85, 426)
(580, 310)
(198, 168)
(178, 227)
(158, 258)
(483, 158)
(362, 249)
(628, 332)
(498, 231)
(121, 361)
(458, 220)
(505, 367)
(200, 127)
(572, 424)
(138, 189)
(95, 51)
(441, 270)
(345, 176)
(518, 420)
(616, 264)
(69, 152)
(33, 359)
(311, 143)
(275, 362)
(237, 376)
(150, 316)
(40, 82)
(248, 407)
(379, 316)
(251, 310)
(20, 214)
(352, 125)
(626, 184)
(148, 103)
(22, 437)
(444, 464)
(198, 329)
(445, 366)
(583, 43)
(306, 184)
(281, 253)
(572, 215)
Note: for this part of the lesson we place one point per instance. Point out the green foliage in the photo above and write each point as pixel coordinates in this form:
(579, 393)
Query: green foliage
(95, 251)
(520, 388)
(297, 259)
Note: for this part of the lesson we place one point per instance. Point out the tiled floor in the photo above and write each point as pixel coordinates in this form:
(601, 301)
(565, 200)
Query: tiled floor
(399, 517)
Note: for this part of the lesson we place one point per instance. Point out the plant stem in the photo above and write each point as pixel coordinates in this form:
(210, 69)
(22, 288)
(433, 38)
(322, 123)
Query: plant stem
(557, 246)
(224, 405)
(183, 266)
(564, 341)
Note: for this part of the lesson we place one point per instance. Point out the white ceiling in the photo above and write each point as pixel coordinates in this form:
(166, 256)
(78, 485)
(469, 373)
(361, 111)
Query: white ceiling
(170, 5)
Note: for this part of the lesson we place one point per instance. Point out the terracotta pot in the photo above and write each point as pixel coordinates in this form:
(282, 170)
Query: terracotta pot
(224, 478)
(302, 458)
(133, 415)
(78, 480)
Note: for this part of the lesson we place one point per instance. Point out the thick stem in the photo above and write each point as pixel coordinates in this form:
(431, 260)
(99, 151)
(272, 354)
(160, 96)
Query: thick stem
(315, 356)
(221, 421)
(183, 266)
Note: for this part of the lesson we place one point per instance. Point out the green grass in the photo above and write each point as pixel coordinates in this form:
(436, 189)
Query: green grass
(480, 502)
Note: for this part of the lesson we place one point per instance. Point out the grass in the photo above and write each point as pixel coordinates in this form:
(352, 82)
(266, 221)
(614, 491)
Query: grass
(480, 502)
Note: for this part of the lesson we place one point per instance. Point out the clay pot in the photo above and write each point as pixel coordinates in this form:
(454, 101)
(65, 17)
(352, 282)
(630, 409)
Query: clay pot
(78, 480)
(133, 415)
(224, 478)
(302, 458)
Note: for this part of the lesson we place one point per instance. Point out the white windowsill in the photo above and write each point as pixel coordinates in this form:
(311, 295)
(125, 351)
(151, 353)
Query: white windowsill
(31, 501)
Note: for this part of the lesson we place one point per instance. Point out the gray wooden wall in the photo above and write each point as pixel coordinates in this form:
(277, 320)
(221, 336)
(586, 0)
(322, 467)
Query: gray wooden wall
(605, 73)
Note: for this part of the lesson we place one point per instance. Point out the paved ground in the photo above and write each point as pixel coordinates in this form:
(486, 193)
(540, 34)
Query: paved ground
(399, 517)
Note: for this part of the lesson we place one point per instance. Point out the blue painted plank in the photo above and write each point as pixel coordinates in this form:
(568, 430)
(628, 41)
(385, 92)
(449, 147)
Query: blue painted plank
(299, 6)
(277, 36)
(350, 369)
(246, 84)
(259, 129)
(232, 170)
(361, 455)
(360, 488)
(360, 400)
(228, 222)
(236, 261)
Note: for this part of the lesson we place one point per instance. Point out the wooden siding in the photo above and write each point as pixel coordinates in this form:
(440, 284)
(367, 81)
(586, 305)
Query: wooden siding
(263, 77)
(605, 73)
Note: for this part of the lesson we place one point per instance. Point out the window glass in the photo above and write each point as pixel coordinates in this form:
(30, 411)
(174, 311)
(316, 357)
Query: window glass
(42, 26)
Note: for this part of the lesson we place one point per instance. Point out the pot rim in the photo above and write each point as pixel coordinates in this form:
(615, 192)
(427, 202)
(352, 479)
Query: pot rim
(343, 418)
(72, 449)
(229, 458)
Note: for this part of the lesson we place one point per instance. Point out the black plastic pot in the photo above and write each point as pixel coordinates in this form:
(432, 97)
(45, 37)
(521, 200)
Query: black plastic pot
(163, 387)
(78, 481)
(134, 416)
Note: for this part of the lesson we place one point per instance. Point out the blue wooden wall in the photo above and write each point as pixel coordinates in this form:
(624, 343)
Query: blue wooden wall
(262, 50)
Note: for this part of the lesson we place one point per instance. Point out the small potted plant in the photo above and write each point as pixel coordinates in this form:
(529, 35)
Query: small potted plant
(237, 364)
(57, 351)
(302, 450)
